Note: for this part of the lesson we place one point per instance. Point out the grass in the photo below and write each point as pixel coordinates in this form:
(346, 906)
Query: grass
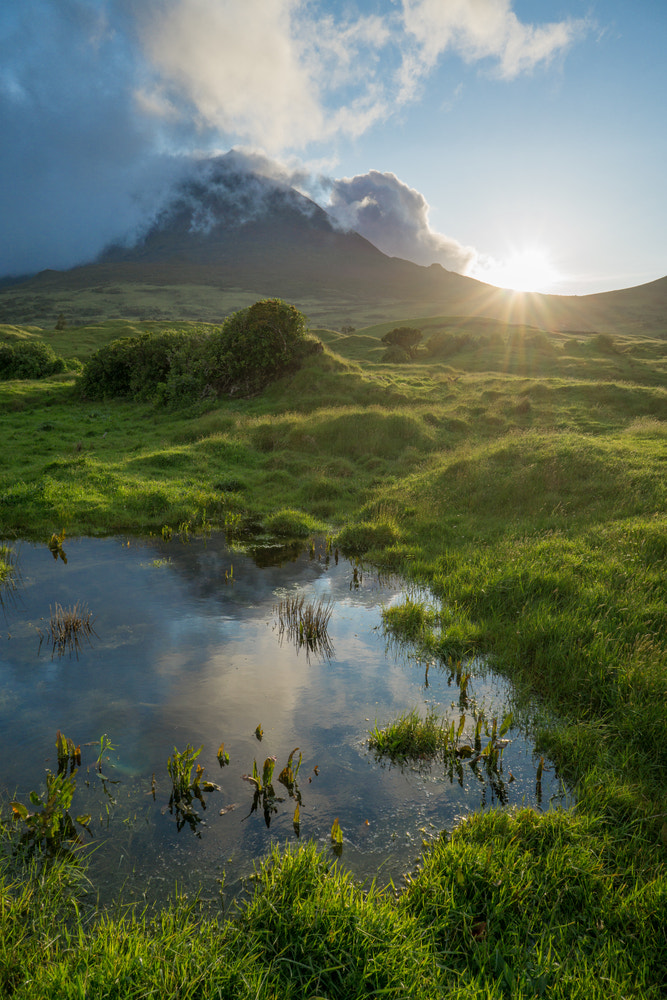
(409, 738)
(306, 623)
(8, 574)
(524, 484)
(513, 905)
(67, 627)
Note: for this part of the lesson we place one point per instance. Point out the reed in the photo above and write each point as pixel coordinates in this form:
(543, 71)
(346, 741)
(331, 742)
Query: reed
(305, 623)
(68, 627)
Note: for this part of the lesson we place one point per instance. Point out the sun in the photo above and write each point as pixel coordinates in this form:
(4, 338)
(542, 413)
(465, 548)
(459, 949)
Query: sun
(526, 270)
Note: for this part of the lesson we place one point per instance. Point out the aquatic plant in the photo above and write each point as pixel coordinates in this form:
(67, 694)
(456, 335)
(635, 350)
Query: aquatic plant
(69, 755)
(410, 739)
(105, 746)
(184, 788)
(8, 574)
(179, 766)
(49, 828)
(67, 627)
(264, 792)
(55, 544)
(306, 623)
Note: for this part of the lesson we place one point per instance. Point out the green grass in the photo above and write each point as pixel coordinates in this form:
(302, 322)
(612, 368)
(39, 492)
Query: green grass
(524, 484)
(513, 905)
(409, 738)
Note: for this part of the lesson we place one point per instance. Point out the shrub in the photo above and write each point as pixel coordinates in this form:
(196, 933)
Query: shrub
(605, 343)
(257, 345)
(404, 337)
(396, 356)
(251, 349)
(444, 343)
(31, 359)
(133, 366)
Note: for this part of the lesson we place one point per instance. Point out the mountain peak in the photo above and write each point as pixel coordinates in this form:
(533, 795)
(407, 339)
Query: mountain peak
(209, 207)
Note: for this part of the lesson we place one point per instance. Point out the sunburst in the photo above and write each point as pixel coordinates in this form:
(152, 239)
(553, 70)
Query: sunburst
(526, 270)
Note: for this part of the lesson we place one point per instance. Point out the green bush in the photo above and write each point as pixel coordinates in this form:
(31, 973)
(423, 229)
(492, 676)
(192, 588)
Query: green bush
(396, 356)
(31, 359)
(257, 345)
(444, 343)
(134, 366)
(251, 349)
(406, 338)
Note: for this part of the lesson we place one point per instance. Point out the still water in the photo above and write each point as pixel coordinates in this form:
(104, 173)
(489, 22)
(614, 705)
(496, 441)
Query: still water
(187, 649)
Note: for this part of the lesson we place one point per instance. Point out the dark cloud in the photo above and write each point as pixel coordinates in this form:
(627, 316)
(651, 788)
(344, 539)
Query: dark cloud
(78, 166)
(394, 217)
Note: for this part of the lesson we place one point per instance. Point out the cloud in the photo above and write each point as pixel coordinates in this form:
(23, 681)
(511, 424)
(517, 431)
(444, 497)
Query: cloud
(282, 75)
(394, 217)
(269, 72)
(478, 30)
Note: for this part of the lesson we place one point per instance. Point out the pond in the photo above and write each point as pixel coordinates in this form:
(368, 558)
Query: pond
(187, 648)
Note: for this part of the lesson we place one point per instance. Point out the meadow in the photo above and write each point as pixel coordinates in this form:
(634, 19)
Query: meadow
(519, 474)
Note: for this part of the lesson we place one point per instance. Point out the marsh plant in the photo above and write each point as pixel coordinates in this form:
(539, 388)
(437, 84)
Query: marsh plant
(69, 755)
(67, 628)
(264, 793)
(184, 788)
(8, 574)
(411, 739)
(55, 545)
(46, 826)
(306, 623)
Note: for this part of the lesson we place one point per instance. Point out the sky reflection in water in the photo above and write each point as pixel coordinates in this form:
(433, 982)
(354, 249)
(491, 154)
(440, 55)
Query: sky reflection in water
(182, 655)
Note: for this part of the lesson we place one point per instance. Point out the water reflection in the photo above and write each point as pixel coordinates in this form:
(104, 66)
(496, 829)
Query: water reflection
(186, 657)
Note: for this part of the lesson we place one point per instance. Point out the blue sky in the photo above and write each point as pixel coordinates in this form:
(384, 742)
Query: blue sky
(518, 141)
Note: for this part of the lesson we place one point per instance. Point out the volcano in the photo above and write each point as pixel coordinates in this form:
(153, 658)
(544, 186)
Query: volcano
(227, 235)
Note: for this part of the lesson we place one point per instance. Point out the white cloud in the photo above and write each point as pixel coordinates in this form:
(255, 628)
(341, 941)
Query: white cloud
(269, 72)
(238, 65)
(477, 30)
(282, 74)
(394, 217)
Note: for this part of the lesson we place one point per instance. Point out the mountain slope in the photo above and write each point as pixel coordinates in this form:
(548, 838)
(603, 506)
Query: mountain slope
(228, 236)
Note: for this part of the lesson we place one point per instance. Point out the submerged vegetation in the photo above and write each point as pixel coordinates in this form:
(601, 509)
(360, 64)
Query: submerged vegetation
(519, 475)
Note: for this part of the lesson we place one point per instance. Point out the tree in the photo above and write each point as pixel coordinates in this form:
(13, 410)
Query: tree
(405, 337)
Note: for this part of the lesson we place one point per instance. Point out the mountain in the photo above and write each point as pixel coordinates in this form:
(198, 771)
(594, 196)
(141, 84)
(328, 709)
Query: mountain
(228, 236)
